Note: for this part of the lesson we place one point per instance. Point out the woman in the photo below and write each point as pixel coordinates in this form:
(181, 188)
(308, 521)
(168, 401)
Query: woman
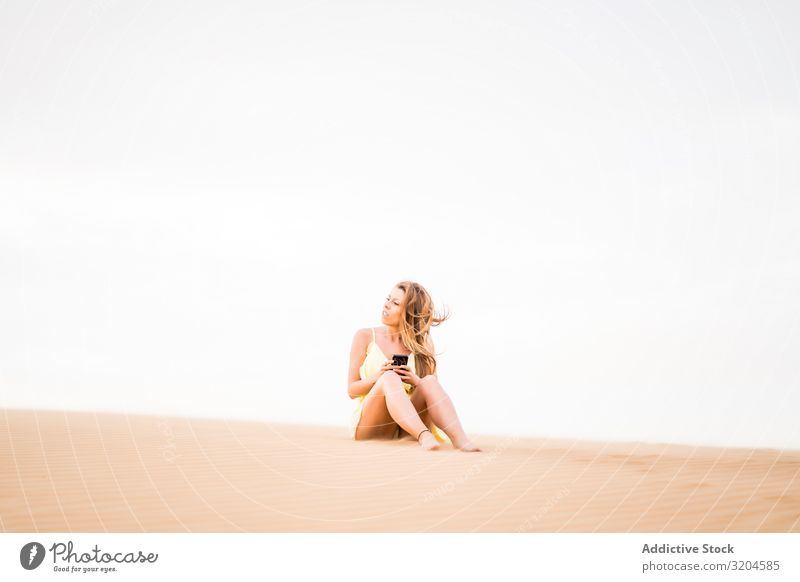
(394, 401)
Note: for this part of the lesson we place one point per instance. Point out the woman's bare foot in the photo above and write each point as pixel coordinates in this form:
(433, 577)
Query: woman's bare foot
(428, 442)
(466, 446)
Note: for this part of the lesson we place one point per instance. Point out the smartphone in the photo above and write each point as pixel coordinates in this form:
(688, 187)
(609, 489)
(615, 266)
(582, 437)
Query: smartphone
(400, 359)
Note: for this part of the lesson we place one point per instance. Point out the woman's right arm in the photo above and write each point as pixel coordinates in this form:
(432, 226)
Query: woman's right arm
(360, 388)
(355, 385)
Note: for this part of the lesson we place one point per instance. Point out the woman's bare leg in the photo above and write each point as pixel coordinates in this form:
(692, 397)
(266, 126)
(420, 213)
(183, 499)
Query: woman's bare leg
(386, 406)
(375, 421)
(443, 413)
(418, 400)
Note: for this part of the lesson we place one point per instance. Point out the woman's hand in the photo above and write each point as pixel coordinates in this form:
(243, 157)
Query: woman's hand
(407, 375)
(404, 372)
(388, 365)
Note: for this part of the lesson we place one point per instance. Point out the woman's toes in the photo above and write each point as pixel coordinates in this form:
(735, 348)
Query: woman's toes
(466, 446)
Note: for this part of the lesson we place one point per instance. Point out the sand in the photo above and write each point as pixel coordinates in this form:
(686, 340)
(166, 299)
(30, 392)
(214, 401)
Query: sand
(87, 472)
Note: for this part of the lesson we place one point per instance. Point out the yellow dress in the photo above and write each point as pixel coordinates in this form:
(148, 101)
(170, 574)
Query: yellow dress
(372, 363)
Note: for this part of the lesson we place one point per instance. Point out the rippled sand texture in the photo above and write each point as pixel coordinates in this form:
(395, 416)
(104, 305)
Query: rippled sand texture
(75, 471)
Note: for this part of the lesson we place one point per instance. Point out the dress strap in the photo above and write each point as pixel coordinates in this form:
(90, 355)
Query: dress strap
(373, 335)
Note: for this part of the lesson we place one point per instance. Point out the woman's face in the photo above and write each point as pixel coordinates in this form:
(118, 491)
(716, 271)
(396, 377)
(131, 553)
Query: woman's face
(392, 306)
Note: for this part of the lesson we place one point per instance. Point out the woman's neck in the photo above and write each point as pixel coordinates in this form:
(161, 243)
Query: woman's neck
(393, 333)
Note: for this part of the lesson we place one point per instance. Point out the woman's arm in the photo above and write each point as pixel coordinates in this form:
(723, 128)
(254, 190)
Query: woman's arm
(359, 388)
(355, 385)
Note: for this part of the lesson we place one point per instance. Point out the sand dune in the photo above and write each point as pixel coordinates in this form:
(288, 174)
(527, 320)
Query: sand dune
(76, 471)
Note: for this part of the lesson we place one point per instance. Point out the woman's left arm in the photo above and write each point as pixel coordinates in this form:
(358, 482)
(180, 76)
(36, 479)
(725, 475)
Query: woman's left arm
(407, 375)
(405, 372)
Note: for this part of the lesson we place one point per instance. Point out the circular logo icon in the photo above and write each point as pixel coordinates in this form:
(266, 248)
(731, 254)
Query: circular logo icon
(31, 555)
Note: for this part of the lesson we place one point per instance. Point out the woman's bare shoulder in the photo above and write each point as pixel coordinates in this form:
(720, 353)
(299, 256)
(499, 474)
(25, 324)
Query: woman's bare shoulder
(363, 334)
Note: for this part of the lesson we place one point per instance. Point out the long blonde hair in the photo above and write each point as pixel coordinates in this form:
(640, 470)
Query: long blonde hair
(416, 320)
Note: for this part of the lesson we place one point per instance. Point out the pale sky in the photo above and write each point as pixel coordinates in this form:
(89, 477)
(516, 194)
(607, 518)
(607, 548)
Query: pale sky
(201, 202)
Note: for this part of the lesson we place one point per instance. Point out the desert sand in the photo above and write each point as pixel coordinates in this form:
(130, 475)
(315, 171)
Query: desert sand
(93, 472)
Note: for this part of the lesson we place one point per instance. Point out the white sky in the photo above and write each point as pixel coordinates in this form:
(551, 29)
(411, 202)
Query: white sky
(201, 202)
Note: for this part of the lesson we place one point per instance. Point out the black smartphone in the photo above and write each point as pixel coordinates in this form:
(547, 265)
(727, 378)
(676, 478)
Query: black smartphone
(400, 359)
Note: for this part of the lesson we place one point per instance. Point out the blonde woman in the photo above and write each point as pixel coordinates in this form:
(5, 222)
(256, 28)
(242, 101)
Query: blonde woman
(394, 401)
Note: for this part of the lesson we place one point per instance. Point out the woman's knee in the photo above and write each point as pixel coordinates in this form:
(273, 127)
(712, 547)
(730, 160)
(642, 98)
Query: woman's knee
(388, 381)
(430, 385)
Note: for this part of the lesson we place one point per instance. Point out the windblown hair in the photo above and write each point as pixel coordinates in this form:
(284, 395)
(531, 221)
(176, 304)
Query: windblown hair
(417, 319)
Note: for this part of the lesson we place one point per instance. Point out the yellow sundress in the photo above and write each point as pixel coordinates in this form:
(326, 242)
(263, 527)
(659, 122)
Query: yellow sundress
(372, 363)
